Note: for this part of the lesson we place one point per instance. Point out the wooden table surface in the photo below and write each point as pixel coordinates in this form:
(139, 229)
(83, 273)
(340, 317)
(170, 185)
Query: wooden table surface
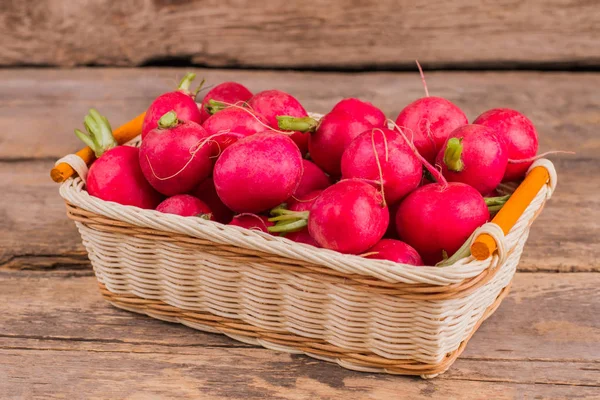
(59, 339)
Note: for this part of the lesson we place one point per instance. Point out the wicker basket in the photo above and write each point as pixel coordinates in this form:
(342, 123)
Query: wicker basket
(364, 314)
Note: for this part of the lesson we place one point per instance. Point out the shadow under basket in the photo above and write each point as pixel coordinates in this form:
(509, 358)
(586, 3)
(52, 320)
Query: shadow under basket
(364, 314)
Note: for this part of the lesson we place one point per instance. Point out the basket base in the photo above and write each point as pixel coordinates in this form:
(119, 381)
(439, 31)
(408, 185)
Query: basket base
(289, 342)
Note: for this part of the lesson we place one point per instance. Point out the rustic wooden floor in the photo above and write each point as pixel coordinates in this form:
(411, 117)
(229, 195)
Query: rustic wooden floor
(59, 339)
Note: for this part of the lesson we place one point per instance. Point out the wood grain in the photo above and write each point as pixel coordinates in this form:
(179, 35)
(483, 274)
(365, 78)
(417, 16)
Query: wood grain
(309, 34)
(543, 341)
(43, 107)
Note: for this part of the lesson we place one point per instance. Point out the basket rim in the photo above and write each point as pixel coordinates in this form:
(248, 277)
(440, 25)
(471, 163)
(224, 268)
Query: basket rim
(73, 192)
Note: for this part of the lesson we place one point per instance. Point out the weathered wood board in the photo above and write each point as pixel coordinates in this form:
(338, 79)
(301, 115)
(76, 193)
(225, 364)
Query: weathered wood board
(543, 341)
(308, 34)
(42, 107)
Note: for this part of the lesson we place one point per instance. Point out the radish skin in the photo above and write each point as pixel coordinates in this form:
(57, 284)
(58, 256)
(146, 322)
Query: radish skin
(229, 125)
(436, 219)
(252, 221)
(208, 194)
(227, 92)
(273, 103)
(382, 155)
(186, 206)
(428, 122)
(364, 109)
(348, 217)
(181, 101)
(519, 134)
(394, 250)
(175, 157)
(258, 172)
(313, 178)
(474, 155)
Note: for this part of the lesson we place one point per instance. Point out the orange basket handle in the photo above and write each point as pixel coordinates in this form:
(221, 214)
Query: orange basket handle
(484, 245)
(122, 134)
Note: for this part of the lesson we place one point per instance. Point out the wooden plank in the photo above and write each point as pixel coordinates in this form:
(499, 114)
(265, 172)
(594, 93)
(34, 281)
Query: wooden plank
(562, 105)
(383, 34)
(38, 235)
(543, 341)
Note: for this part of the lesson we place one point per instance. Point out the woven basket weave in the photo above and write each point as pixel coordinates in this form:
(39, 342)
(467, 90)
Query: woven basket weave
(364, 314)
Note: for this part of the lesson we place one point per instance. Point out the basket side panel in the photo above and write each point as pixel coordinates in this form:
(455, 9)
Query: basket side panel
(276, 302)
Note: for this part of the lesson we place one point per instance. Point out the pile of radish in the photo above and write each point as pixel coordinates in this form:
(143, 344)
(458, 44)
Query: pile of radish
(411, 190)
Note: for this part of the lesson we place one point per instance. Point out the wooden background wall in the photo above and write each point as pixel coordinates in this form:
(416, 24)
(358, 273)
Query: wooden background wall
(340, 34)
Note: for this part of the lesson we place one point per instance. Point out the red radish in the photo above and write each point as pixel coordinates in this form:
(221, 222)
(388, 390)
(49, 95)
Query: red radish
(226, 92)
(394, 250)
(258, 172)
(252, 221)
(186, 206)
(207, 193)
(227, 126)
(436, 219)
(273, 103)
(368, 111)
(116, 174)
(329, 137)
(474, 155)
(175, 157)
(348, 217)
(382, 156)
(429, 121)
(519, 134)
(182, 101)
(313, 178)
(302, 237)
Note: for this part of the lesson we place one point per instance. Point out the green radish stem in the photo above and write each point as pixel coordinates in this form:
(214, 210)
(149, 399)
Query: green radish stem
(186, 82)
(452, 155)
(494, 204)
(299, 124)
(287, 221)
(169, 120)
(214, 106)
(207, 216)
(290, 227)
(99, 135)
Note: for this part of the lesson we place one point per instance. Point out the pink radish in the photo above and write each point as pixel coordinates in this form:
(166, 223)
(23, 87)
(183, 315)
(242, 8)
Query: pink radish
(252, 221)
(186, 206)
(348, 217)
(207, 193)
(226, 92)
(258, 172)
(366, 110)
(182, 101)
(474, 155)
(230, 124)
(328, 138)
(302, 237)
(429, 120)
(519, 134)
(394, 250)
(273, 103)
(436, 219)
(382, 156)
(175, 157)
(313, 178)
(116, 174)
